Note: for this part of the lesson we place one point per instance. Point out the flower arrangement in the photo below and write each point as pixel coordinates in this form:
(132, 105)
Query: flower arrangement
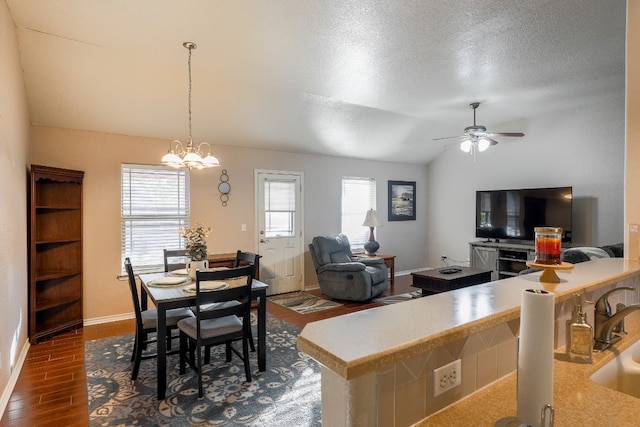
(196, 243)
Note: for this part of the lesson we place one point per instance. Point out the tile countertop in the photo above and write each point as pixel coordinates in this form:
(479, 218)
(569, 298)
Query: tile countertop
(578, 401)
(358, 343)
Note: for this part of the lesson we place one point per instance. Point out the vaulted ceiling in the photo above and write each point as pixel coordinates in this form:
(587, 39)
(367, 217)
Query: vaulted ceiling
(373, 79)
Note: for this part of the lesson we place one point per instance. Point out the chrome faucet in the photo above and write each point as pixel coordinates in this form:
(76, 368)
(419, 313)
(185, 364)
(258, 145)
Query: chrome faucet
(607, 323)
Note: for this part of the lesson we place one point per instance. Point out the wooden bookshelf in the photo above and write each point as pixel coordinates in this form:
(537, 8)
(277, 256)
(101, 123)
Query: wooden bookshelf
(55, 251)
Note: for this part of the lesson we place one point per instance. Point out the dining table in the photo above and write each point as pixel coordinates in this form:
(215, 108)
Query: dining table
(170, 297)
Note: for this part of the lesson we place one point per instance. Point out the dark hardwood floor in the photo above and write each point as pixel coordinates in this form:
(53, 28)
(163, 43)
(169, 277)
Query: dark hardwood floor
(52, 391)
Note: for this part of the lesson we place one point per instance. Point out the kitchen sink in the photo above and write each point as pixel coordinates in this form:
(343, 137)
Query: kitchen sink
(622, 373)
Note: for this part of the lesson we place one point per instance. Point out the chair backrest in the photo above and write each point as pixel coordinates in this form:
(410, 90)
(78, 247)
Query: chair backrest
(246, 258)
(134, 292)
(239, 280)
(330, 250)
(175, 259)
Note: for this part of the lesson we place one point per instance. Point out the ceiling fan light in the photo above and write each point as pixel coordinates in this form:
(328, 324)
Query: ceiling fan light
(483, 144)
(465, 145)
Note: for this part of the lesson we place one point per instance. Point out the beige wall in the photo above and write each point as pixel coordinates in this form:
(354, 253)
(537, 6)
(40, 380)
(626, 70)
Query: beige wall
(100, 156)
(14, 142)
(632, 154)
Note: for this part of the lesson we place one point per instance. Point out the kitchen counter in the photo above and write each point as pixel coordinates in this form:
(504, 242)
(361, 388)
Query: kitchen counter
(578, 401)
(357, 343)
(377, 364)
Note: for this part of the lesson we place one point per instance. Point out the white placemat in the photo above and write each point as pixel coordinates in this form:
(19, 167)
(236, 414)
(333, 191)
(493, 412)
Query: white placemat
(170, 281)
(179, 272)
(206, 286)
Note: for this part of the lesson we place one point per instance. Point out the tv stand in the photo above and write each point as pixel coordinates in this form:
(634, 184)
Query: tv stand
(505, 259)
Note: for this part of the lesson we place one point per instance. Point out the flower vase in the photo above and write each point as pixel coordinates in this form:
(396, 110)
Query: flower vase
(193, 266)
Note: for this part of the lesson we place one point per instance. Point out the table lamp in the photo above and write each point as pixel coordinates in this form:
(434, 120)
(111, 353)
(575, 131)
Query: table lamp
(371, 221)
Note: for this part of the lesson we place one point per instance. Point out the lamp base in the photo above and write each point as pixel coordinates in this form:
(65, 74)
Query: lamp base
(371, 247)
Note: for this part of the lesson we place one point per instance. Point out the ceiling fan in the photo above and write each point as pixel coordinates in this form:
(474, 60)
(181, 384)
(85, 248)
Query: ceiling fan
(476, 138)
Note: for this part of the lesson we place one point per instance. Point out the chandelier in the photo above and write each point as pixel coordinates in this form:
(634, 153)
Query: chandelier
(187, 155)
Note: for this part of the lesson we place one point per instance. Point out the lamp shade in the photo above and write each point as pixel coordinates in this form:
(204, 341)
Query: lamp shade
(371, 220)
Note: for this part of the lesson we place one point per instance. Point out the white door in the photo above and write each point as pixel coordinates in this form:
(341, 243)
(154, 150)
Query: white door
(279, 213)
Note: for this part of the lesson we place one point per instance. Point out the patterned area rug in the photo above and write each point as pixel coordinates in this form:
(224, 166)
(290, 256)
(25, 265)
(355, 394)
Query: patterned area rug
(393, 299)
(287, 394)
(303, 302)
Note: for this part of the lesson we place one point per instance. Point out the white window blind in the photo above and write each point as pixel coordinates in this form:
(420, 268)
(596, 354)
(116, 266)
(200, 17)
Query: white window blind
(358, 196)
(279, 208)
(155, 204)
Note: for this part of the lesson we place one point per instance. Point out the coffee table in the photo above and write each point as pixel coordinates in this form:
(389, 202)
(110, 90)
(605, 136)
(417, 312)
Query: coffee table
(436, 281)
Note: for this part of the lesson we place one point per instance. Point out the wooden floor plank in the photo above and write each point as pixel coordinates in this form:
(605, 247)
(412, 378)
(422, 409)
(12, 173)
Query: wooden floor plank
(51, 390)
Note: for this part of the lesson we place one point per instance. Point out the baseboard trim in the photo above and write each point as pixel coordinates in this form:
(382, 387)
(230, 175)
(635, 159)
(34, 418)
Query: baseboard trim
(13, 379)
(108, 319)
(414, 270)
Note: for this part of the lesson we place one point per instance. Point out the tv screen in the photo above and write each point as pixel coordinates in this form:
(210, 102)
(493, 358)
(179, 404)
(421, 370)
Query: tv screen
(513, 214)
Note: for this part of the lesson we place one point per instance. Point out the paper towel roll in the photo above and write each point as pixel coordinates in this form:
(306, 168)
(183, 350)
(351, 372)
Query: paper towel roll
(535, 355)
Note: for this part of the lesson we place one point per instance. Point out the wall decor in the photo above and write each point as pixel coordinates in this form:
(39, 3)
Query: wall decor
(224, 187)
(402, 200)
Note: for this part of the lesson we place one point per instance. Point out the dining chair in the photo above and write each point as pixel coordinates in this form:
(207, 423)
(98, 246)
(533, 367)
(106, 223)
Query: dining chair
(242, 258)
(246, 258)
(175, 259)
(222, 325)
(147, 323)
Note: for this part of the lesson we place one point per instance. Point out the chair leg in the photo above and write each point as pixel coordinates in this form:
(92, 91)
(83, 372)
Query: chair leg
(251, 343)
(199, 364)
(183, 352)
(137, 356)
(245, 353)
(135, 347)
(228, 351)
(207, 354)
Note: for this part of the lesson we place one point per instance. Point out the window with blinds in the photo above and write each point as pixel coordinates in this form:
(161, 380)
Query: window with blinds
(358, 196)
(279, 208)
(154, 205)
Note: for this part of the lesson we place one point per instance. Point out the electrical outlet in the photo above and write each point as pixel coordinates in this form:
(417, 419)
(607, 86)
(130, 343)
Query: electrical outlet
(447, 377)
(443, 257)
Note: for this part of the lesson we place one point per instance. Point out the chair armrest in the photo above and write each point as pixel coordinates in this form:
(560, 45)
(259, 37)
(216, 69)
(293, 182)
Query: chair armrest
(369, 261)
(342, 267)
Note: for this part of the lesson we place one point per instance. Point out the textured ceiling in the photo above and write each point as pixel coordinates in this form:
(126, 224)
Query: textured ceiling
(366, 79)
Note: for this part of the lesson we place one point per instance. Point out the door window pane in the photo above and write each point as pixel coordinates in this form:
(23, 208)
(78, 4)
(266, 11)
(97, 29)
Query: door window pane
(279, 208)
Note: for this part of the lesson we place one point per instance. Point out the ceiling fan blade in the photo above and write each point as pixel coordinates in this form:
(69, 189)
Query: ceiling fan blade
(505, 134)
(491, 141)
(449, 137)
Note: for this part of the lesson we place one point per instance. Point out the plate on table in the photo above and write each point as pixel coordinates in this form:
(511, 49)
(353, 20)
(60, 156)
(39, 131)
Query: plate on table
(179, 272)
(170, 281)
(207, 286)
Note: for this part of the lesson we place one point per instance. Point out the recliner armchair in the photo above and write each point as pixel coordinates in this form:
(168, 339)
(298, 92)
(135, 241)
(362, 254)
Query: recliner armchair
(343, 276)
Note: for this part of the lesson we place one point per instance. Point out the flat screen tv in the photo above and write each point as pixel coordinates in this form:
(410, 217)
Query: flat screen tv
(513, 214)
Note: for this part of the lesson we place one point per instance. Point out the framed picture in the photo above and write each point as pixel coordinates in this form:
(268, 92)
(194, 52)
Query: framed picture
(402, 200)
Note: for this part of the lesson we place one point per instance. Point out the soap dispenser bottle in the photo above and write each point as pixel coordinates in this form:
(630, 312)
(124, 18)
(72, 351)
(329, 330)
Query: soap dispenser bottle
(580, 342)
